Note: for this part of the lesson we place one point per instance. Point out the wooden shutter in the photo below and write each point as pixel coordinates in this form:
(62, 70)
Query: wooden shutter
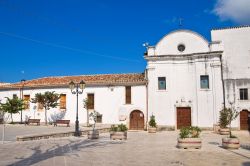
(63, 101)
(128, 94)
(26, 99)
(91, 101)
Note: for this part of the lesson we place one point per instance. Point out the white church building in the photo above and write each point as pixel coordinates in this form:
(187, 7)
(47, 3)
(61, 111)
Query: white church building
(187, 81)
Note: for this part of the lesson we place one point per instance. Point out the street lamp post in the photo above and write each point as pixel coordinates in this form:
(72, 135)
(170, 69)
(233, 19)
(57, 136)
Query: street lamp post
(76, 86)
(21, 96)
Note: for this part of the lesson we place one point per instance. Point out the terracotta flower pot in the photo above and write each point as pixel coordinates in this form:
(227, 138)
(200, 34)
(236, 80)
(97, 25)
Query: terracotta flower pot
(189, 143)
(151, 129)
(224, 131)
(230, 143)
(93, 134)
(118, 135)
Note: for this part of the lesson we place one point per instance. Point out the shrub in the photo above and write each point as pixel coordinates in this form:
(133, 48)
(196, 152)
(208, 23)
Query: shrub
(152, 122)
(184, 132)
(223, 119)
(190, 132)
(120, 127)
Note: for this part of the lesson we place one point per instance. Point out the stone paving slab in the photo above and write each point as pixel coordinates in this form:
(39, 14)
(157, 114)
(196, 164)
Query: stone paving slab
(141, 148)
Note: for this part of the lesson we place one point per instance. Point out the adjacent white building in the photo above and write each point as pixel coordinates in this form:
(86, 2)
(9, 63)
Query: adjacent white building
(187, 81)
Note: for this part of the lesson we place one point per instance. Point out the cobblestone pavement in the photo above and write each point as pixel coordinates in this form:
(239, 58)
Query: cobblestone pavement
(141, 148)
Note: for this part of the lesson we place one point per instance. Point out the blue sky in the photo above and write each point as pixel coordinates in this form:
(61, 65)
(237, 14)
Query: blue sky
(58, 37)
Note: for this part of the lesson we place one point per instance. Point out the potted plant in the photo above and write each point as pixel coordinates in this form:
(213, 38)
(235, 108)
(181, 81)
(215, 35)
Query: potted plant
(93, 134)
(223, 122)
(152, 124)
(118, 132)
(189, 138)
(231, 141)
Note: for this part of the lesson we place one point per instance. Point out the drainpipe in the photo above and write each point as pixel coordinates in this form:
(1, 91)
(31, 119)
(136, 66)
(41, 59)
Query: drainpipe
(223, 83)
(146, 72)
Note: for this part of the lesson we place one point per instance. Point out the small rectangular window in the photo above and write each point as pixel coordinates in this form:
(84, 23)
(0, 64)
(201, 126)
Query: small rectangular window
(244, 94)
(99, 118)
(63, 101)
(204, 81)
(91, 101)
(26, 99)
(162, 83)
(128, 95)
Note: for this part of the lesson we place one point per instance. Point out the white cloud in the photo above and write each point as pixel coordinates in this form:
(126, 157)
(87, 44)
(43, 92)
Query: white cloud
(235, 10)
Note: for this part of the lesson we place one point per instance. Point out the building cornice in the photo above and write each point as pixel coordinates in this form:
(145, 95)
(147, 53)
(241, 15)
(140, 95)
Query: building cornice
(185, 56)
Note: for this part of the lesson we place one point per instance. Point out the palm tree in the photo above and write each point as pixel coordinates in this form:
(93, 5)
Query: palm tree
(12, 106)
(47, 100)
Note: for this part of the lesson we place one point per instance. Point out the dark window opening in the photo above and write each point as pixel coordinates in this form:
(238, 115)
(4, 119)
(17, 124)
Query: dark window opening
(128, 95)
(244, 94)
(204, 81)
(162, 83)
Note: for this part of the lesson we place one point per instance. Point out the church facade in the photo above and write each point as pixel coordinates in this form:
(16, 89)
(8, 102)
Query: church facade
(187, 81)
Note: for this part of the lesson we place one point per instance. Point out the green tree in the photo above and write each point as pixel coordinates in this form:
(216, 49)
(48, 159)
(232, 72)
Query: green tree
(47, 100)
(12, 106)
(227, 115)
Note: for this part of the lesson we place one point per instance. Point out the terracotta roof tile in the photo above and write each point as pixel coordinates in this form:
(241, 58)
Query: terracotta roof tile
(101, 79)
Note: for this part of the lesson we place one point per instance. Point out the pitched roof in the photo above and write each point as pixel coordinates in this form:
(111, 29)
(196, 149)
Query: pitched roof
(100, 79)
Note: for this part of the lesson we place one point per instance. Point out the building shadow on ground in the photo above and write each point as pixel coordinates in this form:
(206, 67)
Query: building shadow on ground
(56, 150)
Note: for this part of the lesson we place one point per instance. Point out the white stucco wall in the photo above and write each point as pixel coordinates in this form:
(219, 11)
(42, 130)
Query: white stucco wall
(183, 79)
(236, 55)
(183, 90)
(193, 42)
(236, 66)
(107, 102)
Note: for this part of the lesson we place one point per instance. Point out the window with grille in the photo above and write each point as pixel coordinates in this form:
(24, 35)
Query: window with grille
(63, 101)
(128, 94)
(244, 94)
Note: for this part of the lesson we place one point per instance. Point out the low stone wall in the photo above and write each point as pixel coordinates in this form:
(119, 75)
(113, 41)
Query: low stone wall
(56, 135)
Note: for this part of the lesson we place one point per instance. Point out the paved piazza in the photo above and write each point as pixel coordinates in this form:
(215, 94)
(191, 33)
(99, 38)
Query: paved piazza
(141, 148)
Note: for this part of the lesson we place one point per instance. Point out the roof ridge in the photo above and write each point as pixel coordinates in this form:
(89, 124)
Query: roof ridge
(78, 76)
(231, 27)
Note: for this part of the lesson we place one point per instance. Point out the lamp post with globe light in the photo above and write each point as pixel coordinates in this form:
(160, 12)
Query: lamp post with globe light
(77, 88)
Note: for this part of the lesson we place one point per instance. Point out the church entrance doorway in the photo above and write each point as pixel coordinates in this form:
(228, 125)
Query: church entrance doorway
(183, 117)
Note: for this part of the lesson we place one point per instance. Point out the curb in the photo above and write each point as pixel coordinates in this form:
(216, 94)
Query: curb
(56, 135)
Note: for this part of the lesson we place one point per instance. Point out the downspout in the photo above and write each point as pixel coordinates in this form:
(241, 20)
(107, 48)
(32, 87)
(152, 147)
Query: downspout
(146, 72)
(223, 83)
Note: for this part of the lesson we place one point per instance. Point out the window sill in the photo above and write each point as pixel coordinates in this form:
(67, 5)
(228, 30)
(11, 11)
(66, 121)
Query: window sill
(161, 90)
(243, 100)
(205, 89)
(128, 104)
